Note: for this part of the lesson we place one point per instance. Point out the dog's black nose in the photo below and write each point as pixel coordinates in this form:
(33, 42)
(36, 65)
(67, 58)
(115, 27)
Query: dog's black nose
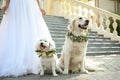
(80, 18)
(86, 21)
(41, 43)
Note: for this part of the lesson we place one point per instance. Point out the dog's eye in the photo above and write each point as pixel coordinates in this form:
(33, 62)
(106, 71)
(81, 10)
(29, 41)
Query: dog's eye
(80, 18)
(45, 41)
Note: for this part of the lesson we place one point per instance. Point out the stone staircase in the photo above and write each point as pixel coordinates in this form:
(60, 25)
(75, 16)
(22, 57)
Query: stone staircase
(98, 45)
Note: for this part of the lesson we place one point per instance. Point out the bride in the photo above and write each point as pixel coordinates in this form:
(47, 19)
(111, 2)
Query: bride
(21, 26)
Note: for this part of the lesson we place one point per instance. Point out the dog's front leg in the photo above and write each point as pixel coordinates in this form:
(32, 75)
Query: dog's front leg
(42, 70)
(54, 68)
(66, 63)
(82, 66)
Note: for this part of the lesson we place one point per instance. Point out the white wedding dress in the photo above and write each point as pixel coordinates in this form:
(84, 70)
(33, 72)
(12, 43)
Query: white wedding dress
(20, 29)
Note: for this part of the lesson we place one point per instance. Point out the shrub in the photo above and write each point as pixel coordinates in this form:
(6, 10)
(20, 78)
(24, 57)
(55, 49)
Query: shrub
(111, 26)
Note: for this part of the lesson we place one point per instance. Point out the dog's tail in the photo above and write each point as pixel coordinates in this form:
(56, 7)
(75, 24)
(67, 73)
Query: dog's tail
(90, 69)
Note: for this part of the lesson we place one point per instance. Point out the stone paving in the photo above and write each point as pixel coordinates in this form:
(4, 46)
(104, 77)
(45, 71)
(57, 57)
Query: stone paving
(107, 67)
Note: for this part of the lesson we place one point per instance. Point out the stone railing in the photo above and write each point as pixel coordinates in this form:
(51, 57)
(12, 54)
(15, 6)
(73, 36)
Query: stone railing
(100, 20)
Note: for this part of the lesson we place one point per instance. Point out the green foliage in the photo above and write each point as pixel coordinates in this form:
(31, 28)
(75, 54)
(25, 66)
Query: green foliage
(118, 27)
(43, 53)
(111, 26)
(77, 38)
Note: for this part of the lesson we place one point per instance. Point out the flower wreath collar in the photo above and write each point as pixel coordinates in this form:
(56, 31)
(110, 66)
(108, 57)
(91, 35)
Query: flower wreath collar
(44, 54)
(74, 38)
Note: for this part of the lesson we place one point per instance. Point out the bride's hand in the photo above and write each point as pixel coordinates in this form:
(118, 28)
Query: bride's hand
(4, 9)
(43, 12)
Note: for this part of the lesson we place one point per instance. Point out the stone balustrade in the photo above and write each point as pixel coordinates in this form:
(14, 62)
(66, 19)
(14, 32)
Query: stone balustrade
(100, 20)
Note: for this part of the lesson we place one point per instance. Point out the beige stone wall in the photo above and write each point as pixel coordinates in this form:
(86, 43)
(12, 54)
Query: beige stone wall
(109, 5)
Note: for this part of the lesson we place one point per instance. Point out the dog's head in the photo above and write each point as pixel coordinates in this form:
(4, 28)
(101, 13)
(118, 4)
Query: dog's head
(78, 24)
(45, 45)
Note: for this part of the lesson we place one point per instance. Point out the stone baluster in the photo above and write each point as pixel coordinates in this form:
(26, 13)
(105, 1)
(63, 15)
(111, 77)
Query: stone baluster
(80, 10)
(107, 30)
(115, 26)
(101, 26)
(74, 10)
(90, 16)
(65, 7)
(61, 8)
(94, 19)
(115, 35)
(68, 9)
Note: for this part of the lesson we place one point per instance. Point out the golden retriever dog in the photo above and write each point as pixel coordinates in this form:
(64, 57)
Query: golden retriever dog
(73, 53)
(48, 58)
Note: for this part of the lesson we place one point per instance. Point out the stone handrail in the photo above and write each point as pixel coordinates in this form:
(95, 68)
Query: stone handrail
(99, 18)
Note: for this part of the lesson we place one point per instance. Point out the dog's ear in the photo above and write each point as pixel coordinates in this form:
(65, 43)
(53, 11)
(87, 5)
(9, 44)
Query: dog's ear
(52, 45)
(71, 26)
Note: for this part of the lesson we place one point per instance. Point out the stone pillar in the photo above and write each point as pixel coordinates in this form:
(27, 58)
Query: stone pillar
(48, 5)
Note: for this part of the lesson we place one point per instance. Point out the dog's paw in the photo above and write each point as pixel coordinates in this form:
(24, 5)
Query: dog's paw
(84, 72)
(55, 75)
(65, 72)
(61, 72)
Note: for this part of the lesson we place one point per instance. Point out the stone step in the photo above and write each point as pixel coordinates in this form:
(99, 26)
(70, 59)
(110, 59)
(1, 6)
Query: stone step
(56, 21)
(91, 41)
(89, 37)
(102, 53)
(57, 29)
(58, 24)
(97, 49)
(53, 17)
(62, 32)
(95, 53)
(96, 45)
(107, 48)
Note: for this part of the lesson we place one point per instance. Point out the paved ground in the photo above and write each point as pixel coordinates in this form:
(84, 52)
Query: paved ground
(107, 68)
